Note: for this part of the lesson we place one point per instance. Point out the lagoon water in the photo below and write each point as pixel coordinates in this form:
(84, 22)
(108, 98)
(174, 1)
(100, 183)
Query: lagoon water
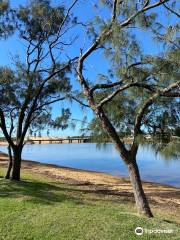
(88, 156)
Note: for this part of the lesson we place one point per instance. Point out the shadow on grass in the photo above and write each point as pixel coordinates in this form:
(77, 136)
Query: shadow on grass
(105, 192)
(51, 193)
(35, 191)
(99, 192)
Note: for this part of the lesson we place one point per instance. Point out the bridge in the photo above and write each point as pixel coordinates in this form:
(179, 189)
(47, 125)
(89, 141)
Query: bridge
(45, 140)
(59, 140)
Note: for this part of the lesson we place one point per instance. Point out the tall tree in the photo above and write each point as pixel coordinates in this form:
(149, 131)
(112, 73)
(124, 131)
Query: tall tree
(136, 84)
(7, 27)
(32, 85)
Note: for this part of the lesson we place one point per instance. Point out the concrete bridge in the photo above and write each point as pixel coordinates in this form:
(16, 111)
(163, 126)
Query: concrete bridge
(59, 140)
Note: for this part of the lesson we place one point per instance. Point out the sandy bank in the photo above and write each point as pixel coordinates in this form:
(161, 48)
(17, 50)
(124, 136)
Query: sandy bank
(160, 196)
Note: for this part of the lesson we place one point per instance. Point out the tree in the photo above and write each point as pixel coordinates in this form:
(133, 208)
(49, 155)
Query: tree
(30, 87)
(142, 82)
(6, 29)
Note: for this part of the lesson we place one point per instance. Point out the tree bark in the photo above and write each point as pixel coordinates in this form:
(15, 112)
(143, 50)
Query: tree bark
(130, 160)
(16, 163)
(10, 163)
(140, 197)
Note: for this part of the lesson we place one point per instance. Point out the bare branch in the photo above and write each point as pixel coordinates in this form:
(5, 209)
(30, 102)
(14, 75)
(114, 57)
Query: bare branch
(171, 10)
(79, 101)
(105, 86)
(67, 14)
(137, 64)
(48, 103)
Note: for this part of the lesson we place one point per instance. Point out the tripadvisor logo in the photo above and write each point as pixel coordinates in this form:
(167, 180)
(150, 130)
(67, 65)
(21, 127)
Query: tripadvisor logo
(139, 231)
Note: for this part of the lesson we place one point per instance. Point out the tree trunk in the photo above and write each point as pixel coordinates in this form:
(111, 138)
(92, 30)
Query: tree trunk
(16, 163)
(8, 173)
(140, 197)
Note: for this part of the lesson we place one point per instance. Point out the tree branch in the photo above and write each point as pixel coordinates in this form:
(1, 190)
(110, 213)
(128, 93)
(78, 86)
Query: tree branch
(105, 33)
(144, 9)
(4, 129)
(79, 101)
(105, 86)
(152, 88)
(171, 10)
(33, 106)
(48, 103)
(166, 92)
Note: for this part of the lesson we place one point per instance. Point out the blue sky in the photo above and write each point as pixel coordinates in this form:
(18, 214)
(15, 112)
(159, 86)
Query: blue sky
(96, 64)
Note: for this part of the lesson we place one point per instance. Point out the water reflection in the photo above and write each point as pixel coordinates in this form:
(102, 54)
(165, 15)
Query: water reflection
(89, 156)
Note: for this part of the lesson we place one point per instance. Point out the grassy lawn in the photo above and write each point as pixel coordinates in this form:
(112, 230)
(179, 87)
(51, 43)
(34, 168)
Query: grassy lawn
(40, 208)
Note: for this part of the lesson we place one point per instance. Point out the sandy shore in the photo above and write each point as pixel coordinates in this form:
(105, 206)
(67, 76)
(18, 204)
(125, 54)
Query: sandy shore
(160, 196)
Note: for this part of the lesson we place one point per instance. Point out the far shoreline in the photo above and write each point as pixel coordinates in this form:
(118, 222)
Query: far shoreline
(48, 140)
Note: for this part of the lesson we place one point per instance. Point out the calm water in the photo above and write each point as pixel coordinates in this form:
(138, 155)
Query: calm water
(87, 156)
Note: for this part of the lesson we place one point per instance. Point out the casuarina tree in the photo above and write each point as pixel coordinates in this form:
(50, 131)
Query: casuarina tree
(137, 82)
(38, 79)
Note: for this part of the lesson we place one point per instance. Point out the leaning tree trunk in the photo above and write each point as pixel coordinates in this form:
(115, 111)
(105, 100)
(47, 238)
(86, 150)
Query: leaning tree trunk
(140, 197)
(10, 163)
(16, 163)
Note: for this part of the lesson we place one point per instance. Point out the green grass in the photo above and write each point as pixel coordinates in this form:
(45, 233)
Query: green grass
(40, 208)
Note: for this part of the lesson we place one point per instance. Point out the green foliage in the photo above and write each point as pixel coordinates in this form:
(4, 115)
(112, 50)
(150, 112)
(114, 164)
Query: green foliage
(171, 150)
(123, 49)
(3, 7)
(7, 25)
(62, 121)
(163, 144)
(8, 83)
(40, 19)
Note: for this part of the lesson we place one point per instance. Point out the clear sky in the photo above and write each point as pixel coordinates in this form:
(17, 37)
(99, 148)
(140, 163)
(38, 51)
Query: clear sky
(96, 64)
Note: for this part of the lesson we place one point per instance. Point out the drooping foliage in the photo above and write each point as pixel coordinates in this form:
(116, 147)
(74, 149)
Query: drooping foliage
(129, 63)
